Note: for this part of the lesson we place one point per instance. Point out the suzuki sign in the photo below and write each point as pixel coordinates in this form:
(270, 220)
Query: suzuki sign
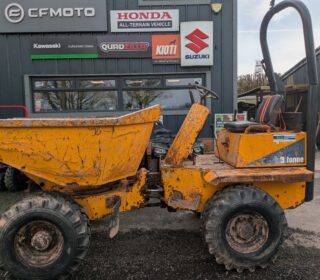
(144, 20)
(197, 43)
(30, 16)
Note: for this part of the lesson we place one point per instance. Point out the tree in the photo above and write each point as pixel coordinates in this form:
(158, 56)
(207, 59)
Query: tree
(249, 82)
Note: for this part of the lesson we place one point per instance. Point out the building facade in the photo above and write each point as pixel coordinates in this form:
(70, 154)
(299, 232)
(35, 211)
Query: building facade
(111, 57)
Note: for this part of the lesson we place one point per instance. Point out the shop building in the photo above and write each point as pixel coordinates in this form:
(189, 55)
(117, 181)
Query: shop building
(111, 57)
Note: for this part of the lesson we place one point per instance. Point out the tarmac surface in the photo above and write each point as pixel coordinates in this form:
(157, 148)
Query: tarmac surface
(156, 244)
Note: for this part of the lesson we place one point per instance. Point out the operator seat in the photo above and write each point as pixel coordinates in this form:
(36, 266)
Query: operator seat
(268, 113)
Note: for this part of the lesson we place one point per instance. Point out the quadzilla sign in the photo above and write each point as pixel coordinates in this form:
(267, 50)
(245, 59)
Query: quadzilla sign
(197, 43)
(166, 49)
(124, 46)
(33, 16)
(144, 20)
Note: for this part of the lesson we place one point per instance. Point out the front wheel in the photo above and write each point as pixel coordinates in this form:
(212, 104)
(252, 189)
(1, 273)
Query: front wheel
(43, 237)
(243, 228)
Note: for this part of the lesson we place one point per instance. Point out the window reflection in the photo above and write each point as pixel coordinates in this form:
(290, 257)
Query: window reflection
(174, 82)
(86, 84)
(53, 84)
(140, 83)
(168, 99)
(75, 101)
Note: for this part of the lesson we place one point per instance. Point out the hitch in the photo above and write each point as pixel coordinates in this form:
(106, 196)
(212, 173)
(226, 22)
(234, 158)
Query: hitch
(114, 224)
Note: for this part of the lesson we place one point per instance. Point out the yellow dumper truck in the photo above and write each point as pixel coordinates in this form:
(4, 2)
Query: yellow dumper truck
(86, 169)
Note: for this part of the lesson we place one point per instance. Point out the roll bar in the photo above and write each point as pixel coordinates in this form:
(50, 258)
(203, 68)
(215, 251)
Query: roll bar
(312, 102)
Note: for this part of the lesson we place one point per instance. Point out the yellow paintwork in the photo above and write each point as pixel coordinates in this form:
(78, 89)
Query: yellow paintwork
(77, 153)
(189, 185)
(244, 150)
(190, 181)
(131, 197)
(187, 135)
(91, 160)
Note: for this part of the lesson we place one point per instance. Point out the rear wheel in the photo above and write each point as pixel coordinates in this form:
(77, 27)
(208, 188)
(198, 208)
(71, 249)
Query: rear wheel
(43, 237)
(14, 180)
(243, 228)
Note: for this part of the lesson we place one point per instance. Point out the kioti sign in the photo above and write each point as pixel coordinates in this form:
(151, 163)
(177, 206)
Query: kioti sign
(197, 43)
(30, 16)
(166, 49)
(144, 20)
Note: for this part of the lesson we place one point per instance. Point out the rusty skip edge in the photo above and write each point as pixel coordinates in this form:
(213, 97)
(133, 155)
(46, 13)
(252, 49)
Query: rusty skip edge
(151, 114)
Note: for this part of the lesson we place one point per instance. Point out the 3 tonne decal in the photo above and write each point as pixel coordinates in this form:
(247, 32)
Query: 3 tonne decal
(293, 154)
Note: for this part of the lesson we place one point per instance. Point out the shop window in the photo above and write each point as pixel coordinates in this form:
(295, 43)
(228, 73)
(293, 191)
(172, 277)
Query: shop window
(178, 99)
(120, 93)
(74, 95)
(142, 83)
(174, 82)
(97, 84)
(53, 84)
(75, 101)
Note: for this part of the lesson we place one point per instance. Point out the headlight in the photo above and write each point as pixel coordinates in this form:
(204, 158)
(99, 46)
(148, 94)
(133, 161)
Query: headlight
(160, 151)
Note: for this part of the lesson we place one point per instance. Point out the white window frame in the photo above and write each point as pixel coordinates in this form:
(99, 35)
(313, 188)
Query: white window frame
(173, 2)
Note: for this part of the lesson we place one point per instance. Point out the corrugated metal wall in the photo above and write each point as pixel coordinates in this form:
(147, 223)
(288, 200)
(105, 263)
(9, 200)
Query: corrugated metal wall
(299, 74)
(15, 59)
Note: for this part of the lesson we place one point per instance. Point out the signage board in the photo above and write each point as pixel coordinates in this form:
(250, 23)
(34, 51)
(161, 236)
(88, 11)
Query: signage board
(144, 20)
(63, 47)
(124, 46)
(166, 49)
(41, 16)
(197, 43)
(221, 119)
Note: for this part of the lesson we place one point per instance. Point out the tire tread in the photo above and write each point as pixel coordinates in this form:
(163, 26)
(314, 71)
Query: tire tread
(65, 206)
(220, 203)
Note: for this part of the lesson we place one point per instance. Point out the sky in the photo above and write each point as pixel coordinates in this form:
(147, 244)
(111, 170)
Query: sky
(285, 35)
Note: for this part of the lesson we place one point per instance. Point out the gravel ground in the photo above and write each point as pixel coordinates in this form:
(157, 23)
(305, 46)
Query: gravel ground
(182, 255)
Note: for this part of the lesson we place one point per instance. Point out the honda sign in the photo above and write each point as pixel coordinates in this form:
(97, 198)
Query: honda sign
(197, 43)
(144, 20)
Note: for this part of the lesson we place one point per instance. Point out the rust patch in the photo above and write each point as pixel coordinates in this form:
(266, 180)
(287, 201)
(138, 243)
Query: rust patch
(176, 200)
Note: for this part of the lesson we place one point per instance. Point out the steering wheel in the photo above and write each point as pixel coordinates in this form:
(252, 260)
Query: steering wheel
(203, 92)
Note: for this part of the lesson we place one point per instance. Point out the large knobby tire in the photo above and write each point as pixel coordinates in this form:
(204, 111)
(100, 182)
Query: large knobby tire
(14, 180)
(2, 184)
(243, 227)
(43, 237)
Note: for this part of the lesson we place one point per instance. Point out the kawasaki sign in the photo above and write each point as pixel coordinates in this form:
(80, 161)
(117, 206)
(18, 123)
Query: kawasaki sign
(29, 16)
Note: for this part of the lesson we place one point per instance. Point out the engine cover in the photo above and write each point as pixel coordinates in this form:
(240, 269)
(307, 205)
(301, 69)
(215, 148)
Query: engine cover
(274, 149)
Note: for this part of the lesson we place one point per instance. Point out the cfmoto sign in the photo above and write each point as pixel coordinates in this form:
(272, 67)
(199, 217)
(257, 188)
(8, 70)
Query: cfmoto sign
(14, 13)
(29, 16)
